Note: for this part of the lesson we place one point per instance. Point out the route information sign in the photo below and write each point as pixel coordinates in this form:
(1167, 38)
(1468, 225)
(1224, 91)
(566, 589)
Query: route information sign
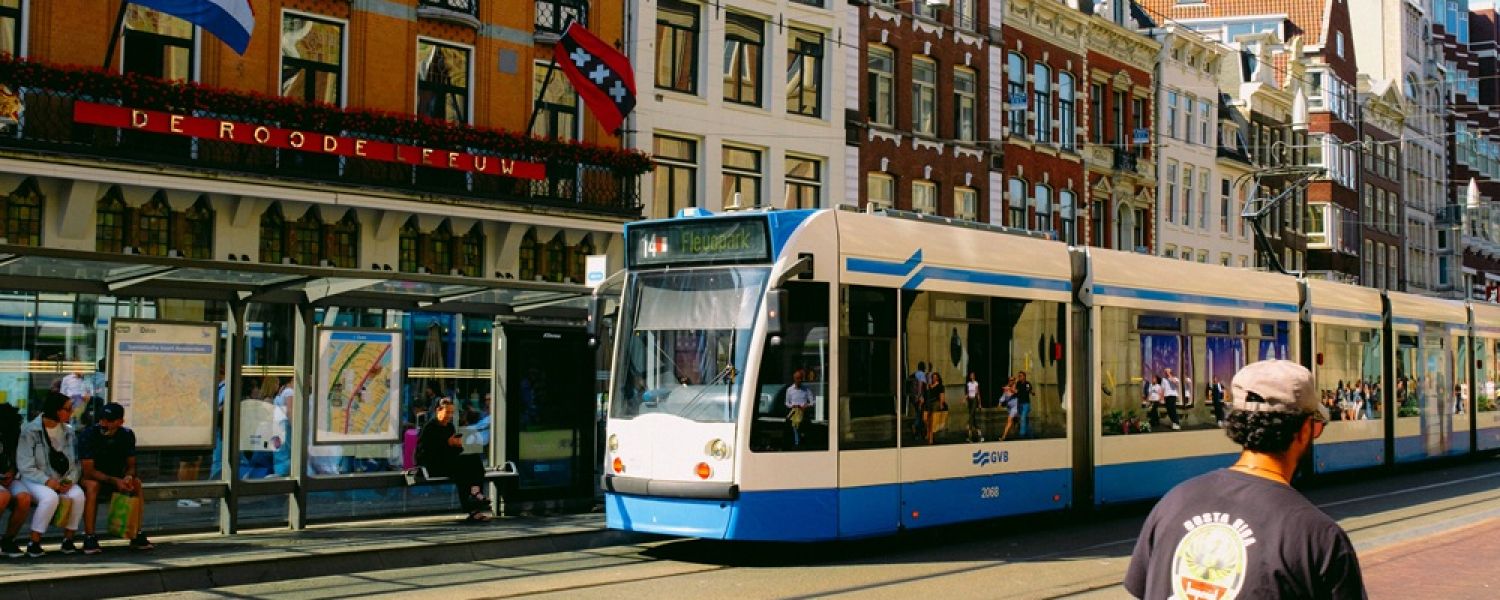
(163, 374)
(358, 387)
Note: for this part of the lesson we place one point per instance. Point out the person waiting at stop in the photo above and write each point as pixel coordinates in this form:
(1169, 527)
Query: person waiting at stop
(106, 451)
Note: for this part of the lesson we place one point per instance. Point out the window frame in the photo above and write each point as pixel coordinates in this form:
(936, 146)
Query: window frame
(19, 14)
(676, 70)
(1067, 116)
(965, 127)
(675, 166)
(760, 60)
(924, 96)
(800, 53)
(734, 177)
(546, 120)
(796, 185)
(444, 88)
(311, 65)
(1041, 104)
(1015, 86)
(873, 80)
(192, 45)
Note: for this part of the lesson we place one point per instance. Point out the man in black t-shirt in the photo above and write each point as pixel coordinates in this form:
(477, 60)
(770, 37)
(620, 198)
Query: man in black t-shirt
(106, 450)
(1243, 531)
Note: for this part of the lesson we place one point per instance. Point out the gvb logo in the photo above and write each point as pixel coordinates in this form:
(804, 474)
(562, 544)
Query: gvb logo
(981, 458)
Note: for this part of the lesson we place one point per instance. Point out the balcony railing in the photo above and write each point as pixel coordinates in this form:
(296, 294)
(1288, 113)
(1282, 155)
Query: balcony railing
(1125, 160)
(464, 12)
(553, 16)
(573, 176)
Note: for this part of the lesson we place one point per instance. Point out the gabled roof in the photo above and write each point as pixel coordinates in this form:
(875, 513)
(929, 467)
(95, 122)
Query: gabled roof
(1306, 16)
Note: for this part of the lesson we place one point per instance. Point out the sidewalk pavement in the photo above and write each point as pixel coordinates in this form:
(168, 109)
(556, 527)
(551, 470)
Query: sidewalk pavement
(208, 560)
(1448, 565)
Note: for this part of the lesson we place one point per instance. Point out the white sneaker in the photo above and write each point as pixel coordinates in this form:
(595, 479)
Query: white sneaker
(1176, 427)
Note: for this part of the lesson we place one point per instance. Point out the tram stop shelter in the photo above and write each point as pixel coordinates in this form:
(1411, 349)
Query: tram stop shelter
(513, 353)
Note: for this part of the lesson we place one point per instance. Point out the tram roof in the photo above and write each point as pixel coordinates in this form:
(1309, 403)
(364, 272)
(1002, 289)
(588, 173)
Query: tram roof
(25, 268)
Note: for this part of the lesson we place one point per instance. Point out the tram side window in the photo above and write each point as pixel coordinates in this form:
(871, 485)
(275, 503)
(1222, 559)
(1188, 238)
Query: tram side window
(867, 369)
(1349, 371)
(1487, 351)
(791, 408)
(1011, 348)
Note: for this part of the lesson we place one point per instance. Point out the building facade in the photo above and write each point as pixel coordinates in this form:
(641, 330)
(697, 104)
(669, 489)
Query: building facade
(1038, 100)
(1120, 160)
(360, 165)
(921, 127)
(1479, 234)
(1381, 212)
(1194, 199)
(740, 103)
(1469, 148)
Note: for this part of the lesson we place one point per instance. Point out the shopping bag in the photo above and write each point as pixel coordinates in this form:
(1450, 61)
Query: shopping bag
(122, 515)
(64, 508)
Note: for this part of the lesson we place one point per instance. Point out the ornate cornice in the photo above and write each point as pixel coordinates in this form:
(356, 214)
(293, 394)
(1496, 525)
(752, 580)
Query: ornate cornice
(1129, 47)
(1049, 20)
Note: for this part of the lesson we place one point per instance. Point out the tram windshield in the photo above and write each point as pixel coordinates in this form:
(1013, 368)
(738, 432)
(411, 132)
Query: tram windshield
(686, 335)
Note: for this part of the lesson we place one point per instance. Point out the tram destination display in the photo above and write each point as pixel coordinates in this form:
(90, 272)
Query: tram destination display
(357, 386)
(717, 241)
(163, 373)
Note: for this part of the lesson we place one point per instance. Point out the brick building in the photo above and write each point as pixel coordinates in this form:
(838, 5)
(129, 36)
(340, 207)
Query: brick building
(1120, 66)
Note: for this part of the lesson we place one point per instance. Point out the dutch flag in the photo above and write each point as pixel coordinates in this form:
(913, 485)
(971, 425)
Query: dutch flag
(229, 20)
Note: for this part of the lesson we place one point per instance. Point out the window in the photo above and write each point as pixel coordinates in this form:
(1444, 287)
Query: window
(1015, 93)
(305, 242)
(804, 73)
(10, 27)
(442, 81)
(109, 222)
(964, 104)
(312, 59)
(157, 45)
(1067, 208)
(272, 235)
(923, 95)
(1224, 205)
(744, 44)
(1187, 196)
(1169, 211)
(804, 182)
(578, 258)
(342, 247)
(1203, 191)
(153, 227)
(1203, 256)
(1317, 226)
(1041, 83)
(1369, 254)
(1393, 277)
(676, 174)
(966, 203)
(880, 190)
(1096, 229)
(1169, 251)
(1205, 123)
(742, 176)
(197, 236)
(1138, 114)
(1192, 119)
(869, 372)
(1187, 253)
(1042, 208)
(1066, 124)
(965, 14)
(1016, 203)
(1171, 125)
(924, 197)
(527, 260)
(1096, 113)
(554, 259)
(1117, 116)
(785, 362)
(437, 250)
(881, 79)
(556, 105)
(677, 46)
(1338, 43)
(1225, 259)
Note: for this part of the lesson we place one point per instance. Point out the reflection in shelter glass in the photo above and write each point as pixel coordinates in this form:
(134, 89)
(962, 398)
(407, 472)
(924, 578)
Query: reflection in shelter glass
(1349, 371)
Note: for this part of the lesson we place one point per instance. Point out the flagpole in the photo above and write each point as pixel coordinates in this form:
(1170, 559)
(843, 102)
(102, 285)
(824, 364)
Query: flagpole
(114, 36)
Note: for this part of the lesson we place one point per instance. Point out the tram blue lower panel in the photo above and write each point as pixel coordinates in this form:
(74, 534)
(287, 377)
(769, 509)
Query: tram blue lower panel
(785, 515)
(1344, 456)
(947, 501)
(1489, 438)
(670, 516)
(1129, 482)
(1460, 443)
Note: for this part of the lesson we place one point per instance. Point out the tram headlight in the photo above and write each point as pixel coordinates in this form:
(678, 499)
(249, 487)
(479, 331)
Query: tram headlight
(613, 443)
(717, 449)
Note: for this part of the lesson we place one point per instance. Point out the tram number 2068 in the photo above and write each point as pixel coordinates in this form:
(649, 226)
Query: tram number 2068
(989, 491)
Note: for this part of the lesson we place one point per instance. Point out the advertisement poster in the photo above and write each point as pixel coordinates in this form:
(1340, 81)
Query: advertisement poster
(357, 386)
(164, 374)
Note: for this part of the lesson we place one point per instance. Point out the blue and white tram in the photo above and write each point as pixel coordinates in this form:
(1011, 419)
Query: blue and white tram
(805, 375)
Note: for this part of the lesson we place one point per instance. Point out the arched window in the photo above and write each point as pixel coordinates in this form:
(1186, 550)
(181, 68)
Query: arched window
(410, 237)
(109, 222)
(1069, 215)
(527, 267)
(579, 263)
(1015, 93)
(1042, 84)
(1067, 113)
(23, 214)
(307, 238)
(1016, 203)
(343, 242)
(1041, 209)
(153, 226)
(554, 262)
(439, 257)
(471, 252)
(197, 239)
(272, 235)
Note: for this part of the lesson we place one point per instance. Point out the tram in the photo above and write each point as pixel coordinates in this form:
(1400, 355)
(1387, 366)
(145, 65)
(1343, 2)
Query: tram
(803, 375)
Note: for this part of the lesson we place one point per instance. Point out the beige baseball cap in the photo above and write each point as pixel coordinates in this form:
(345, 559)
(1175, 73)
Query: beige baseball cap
(1277, 386)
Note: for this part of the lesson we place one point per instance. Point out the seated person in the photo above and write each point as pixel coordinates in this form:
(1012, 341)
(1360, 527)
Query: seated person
(440, 449)
(13, 494)
(107, 451)
(47, 461)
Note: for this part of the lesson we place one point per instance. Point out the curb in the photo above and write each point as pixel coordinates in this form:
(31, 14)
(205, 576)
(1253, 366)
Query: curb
(180, 578)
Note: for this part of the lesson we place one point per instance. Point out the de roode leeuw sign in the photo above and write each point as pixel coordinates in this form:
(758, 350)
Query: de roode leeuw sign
(91, 113)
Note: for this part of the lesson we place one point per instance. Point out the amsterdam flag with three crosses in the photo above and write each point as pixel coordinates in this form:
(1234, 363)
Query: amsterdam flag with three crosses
(600, 73)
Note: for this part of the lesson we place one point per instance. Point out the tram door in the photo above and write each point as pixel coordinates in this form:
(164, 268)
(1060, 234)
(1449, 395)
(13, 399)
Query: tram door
(869, 412)
(549, 405)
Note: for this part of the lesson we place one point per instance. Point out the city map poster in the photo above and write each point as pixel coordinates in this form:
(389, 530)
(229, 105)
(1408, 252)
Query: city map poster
(358, 386)
(164, 374)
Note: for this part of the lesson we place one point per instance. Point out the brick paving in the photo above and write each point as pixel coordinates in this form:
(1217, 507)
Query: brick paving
(1455, 565)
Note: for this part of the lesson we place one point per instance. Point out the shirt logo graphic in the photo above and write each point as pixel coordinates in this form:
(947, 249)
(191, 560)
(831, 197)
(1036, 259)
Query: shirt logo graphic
(1210, 561)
